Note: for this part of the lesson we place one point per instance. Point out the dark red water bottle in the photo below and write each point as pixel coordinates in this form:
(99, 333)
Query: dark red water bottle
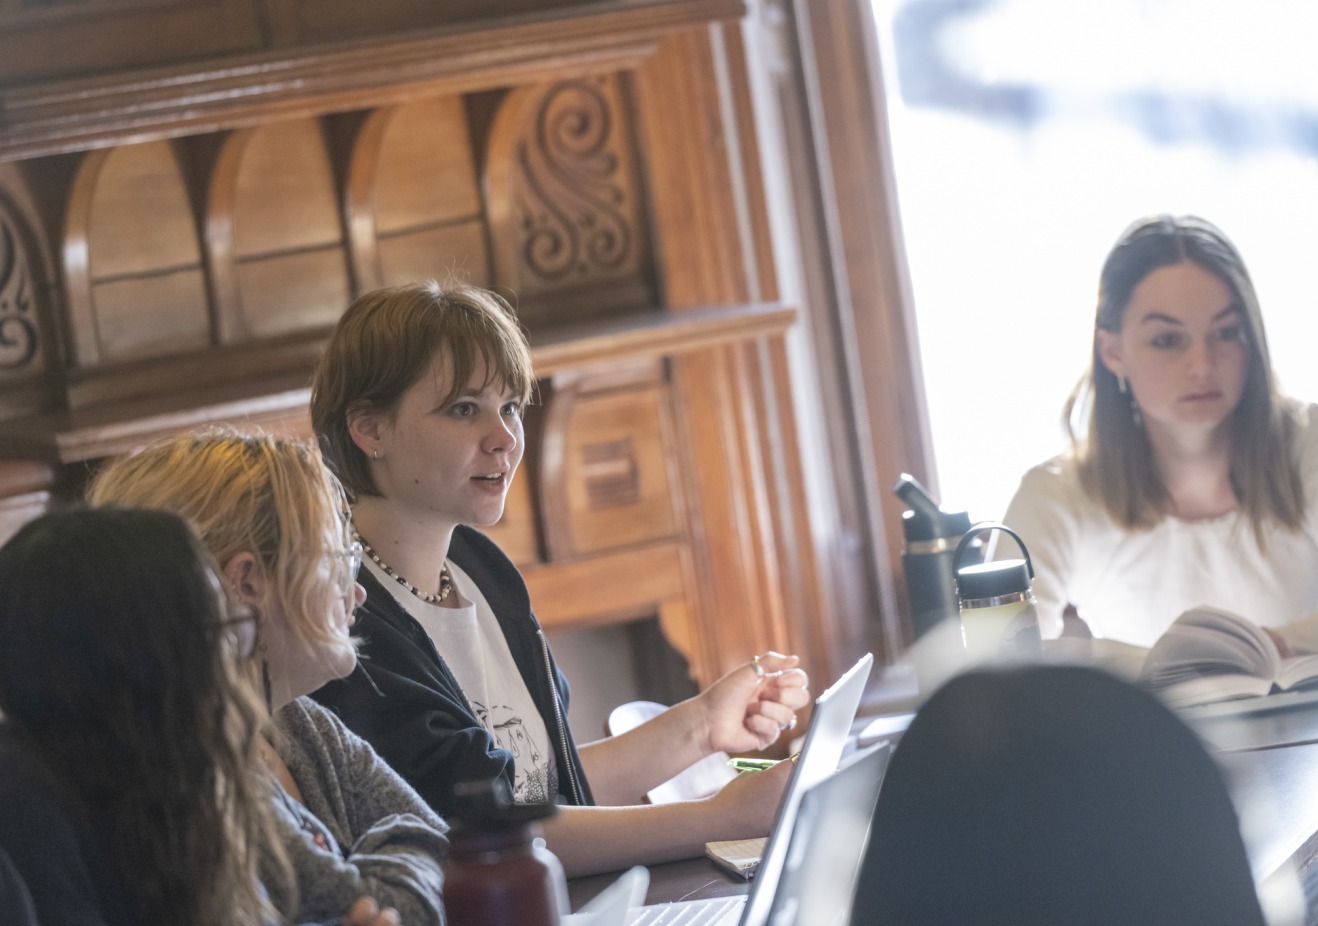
(499, 872)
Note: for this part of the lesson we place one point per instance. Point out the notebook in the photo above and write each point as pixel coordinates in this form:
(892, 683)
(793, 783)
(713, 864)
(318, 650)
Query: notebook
(825, 740)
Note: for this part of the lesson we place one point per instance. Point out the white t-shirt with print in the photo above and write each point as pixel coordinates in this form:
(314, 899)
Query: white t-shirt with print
(472, 643)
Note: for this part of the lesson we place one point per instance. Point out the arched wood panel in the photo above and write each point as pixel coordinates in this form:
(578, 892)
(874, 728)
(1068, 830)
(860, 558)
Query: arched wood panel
(429, 218)
(132, 262)
(274, 233)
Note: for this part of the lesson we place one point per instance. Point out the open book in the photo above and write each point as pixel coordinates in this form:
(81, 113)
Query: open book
(1210, 655)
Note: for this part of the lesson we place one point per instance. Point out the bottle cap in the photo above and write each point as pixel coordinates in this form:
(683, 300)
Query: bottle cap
(993, 580)
(925, 520)
(488, 802)
(918, 525)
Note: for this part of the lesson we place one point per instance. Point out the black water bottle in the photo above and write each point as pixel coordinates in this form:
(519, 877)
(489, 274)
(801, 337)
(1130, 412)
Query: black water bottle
(931, 537)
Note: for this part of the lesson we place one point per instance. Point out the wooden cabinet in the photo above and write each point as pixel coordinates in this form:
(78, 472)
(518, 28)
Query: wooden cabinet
(176, 242)
(40, 41)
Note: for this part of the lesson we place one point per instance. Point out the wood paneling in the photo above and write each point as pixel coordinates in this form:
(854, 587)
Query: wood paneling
(135, 105)
(298, 21)
(608, 486)
(132, 259)
(610, 588)
(740, 458)
(42, 41)
(280, 262)
(592, 161)
(24, 332)
(413, 198)
(570, 230)
(442, 252)
(516, 531)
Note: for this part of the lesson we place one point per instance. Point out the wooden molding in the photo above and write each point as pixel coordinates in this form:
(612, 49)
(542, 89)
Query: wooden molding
(280, 402)
(601, 590)
(655, 334)
(63, 116)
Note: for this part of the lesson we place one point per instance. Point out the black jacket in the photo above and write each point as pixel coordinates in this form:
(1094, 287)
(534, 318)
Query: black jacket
(405, 702)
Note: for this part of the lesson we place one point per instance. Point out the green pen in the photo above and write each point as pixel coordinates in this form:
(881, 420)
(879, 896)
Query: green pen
(756, 765)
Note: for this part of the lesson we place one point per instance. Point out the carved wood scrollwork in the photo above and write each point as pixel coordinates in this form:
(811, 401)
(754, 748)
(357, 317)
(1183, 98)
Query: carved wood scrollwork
(19, 331)
(571, 199)
(566, 200)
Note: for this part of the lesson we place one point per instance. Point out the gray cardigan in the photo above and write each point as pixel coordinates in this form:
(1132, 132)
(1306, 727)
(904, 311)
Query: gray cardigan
(363, 829)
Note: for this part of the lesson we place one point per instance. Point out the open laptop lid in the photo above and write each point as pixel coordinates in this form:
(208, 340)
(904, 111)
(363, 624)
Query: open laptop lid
(818, 881)
(825, 739)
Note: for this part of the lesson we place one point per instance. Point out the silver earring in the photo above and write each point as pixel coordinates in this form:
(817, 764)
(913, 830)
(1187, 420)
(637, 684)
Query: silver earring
(1122, 386)
(375, 454)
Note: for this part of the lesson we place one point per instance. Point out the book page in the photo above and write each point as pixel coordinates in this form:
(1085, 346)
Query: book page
(1206, 641)
(1205, 689)
(1298, 672)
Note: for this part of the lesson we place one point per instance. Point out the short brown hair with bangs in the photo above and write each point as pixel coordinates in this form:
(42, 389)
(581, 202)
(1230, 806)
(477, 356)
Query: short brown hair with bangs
(385, 342)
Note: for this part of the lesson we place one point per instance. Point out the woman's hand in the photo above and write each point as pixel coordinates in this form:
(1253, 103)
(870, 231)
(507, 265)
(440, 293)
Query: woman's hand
(366, 912)
(751, 706)
(746, 805)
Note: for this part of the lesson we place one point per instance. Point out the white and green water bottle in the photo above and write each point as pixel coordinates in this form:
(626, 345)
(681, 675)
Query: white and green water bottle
(998, 618)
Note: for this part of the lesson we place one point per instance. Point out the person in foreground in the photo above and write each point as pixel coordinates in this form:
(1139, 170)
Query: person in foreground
(418, 404)
(1047, 795)
(1191, 478)
(130, 787)
(272, 516)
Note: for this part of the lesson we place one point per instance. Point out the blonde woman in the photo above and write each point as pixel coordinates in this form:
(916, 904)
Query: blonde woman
(272, 517)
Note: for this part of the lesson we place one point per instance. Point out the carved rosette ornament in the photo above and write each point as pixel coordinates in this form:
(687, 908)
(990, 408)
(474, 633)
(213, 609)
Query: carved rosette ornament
(18, 324)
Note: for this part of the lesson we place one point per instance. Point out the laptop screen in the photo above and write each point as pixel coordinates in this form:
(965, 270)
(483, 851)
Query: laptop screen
(818, 881)
(825, 740)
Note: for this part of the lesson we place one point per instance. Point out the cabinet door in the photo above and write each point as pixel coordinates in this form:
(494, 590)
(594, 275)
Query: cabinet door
(42, 40)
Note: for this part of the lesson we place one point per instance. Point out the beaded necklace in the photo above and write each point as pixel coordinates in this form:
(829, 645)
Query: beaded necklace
(445, 577)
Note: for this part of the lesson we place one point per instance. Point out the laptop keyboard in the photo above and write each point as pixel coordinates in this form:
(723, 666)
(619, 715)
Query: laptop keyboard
(718, 911)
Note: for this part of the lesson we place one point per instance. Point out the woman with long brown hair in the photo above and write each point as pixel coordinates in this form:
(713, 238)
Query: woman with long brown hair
(1191, 477)
(129, 786)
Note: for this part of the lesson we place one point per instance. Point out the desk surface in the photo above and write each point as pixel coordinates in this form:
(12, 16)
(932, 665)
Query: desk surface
(1276, 789)
(688, 879)
(1285, 719)
(1269, 749)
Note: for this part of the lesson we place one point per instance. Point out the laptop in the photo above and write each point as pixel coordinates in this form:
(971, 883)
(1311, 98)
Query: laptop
(818, 881)
(825, 740)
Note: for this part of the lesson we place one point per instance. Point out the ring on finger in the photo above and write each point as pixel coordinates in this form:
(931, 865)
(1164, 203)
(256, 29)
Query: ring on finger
(755, 664)
(790, 725)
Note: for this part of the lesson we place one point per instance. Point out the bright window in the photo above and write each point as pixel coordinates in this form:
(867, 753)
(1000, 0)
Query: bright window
(1028, 133)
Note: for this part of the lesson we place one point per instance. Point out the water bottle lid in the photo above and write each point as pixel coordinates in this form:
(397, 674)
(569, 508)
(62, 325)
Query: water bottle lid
(993, 580)
(488, 802)
(919, 525)
(926, 521)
